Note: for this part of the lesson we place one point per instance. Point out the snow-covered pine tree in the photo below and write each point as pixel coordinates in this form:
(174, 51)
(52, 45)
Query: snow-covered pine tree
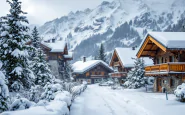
(4, 92)
(135, 78)
(39, 65)
(65, 72)
(14, 51)
(35, 38)
(102, 55)
(41, 69)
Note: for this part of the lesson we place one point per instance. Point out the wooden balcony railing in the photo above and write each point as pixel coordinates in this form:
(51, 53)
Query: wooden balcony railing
(166, 67)
(116, 64)
(118, 74)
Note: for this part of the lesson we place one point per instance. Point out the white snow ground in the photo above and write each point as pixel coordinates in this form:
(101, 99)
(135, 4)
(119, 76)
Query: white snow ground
(98, 100)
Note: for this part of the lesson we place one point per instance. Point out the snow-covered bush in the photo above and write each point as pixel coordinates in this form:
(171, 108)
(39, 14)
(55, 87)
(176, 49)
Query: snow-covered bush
(180, 92)
(64, 96)
(68, 86)
(21, 104)
(77, 90)
(16, 86)
(135, 78)
(35, 93)
(50, 90)
(4, 93)
(42, 103)
(51, 108)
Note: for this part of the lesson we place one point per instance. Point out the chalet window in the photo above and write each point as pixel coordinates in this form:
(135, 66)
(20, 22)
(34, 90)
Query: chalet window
(162, 60)
(87, 74)
(158, 60)
(102, 73)
(165, 60)
(172, 82)
(171, 59)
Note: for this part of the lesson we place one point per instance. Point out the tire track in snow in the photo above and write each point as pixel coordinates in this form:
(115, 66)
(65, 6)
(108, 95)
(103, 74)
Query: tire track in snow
(112, 111)
(119, 104)
(131, 104)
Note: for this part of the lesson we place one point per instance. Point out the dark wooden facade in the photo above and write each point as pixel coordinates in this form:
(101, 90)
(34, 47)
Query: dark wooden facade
(94, 74)
(120, 71)
(169, 68)
(58, 57)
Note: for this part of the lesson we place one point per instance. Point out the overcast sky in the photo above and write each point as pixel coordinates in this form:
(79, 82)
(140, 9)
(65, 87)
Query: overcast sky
(40, 11)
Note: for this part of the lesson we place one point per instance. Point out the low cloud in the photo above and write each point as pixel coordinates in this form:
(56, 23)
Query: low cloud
(40, 11)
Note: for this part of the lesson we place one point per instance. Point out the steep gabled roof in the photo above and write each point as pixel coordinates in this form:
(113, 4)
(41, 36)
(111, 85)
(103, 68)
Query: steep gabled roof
(57, 46)
(163, 40)
(69, 55)
(82, 67)
(126, 55)
(169, 39)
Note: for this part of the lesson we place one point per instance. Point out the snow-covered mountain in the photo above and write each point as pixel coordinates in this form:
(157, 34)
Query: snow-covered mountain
(121, 23)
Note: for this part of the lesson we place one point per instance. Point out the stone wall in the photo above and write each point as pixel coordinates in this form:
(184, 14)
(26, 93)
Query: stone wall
(170, 89)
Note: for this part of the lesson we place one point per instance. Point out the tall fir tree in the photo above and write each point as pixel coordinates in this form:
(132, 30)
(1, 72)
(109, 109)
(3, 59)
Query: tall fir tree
(135, 78)
(4, 92)
(14, 51)
(102, 55)
(39, 64)
(35, 38)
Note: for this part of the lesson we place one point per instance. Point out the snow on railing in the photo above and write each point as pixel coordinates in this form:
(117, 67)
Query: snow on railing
(75, 89)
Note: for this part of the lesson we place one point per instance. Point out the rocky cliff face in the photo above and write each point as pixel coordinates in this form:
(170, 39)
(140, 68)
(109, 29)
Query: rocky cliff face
(121, 23)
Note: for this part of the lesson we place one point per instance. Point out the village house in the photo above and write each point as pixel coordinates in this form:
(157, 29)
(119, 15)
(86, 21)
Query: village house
(92, 71)
(167, 49)
(122, 62)
(57, 55)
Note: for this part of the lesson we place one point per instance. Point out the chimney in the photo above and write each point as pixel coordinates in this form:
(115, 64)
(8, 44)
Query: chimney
(84, 59)
(53, 40)
(133, 48)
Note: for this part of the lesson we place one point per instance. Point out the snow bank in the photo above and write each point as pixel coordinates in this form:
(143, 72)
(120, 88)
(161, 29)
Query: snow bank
(64, 96)
(58, 106)
(21, 104)
(53, 108)
(180, 92)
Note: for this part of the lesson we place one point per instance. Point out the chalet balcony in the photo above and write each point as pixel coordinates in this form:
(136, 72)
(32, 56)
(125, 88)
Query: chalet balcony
(165, 68)
(116, 64)
(118, 74)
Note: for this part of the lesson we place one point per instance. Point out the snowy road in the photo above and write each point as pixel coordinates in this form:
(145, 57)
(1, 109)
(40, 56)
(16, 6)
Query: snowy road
(104, 101)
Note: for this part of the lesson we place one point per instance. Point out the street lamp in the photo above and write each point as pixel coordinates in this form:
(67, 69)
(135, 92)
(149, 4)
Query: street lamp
(165, 82)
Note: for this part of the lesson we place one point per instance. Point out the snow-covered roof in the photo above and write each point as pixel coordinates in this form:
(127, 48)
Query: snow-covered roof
(57, 46)
(126, 54)
(81, 67)
(169, 39)
(70, 55)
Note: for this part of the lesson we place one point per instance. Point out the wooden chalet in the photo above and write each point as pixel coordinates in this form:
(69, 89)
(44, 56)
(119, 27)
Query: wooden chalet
(122, 62)
(57, 55)
(167, 49)
(92, 71)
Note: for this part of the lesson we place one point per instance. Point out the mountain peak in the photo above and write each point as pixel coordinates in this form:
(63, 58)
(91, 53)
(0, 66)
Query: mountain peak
(105, 3)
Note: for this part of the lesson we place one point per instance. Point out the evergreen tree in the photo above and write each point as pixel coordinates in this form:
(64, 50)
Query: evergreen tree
(135, 78)
(14, 51)
(4, 92)
(35, 38)
(102, 55)
(41, 69)
(39, 65)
